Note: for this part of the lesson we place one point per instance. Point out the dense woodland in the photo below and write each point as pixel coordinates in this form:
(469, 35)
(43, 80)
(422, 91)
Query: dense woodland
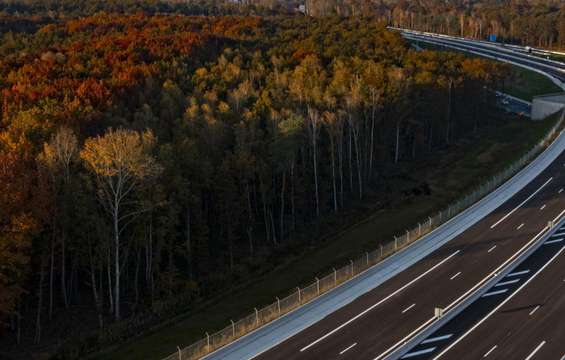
(147, 161)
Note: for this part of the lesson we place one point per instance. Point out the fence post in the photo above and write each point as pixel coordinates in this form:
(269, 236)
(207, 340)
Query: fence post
(318, 285)
(256, 317)
(232, 328)
(180, 353)
(351, 261)
(429, 217)
(207, 342)
(395, 243)
(367, 253)
(299, 299)
(381, 251)
(335, 277)
(407, 236)
(279, 305)
(419, 229)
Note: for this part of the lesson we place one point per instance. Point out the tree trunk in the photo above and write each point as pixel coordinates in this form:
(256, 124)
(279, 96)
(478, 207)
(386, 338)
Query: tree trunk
(249, 220)
(397, 150)
(116, 265)
(350, 145)
(51, 276)
(37, 338)
(334, 185)
(340, 164)
(63, 271)
(315, 159)
(447, 132)
(357, 158)
(95, 295)
(283, 186)
(372, 144)
(265, 216)
(136, 278)
(292, 205)
(110, 286)
(188, 243)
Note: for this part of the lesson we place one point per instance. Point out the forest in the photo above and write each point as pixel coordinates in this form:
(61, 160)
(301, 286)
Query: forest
(150, 161)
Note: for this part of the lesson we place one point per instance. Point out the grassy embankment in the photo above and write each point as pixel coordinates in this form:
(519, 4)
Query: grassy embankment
(448, 175)
(526, 84)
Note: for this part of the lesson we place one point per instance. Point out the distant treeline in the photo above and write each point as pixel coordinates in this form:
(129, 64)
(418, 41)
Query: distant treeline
(538, 23)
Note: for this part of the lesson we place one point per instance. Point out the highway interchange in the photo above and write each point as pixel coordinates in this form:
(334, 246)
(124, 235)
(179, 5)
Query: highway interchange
(517, 318)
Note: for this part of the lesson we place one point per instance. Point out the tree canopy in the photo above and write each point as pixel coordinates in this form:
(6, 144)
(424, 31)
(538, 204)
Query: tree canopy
(149, 161)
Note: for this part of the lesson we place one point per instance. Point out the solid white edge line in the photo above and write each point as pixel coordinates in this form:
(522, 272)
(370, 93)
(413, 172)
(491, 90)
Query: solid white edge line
(499, 306)
(347, 348)
(536, 350)
(522, 203)
(380, 302)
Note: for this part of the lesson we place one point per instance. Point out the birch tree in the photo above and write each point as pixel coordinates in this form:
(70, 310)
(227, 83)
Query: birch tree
(122, 162)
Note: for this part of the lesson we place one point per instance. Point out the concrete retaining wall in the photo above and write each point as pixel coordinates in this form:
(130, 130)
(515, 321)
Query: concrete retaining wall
(546, 105)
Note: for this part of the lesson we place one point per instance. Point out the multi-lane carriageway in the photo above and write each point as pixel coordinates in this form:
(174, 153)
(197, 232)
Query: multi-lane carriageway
(372, 325)
(521, 317)
(377, 321)
(497, 51)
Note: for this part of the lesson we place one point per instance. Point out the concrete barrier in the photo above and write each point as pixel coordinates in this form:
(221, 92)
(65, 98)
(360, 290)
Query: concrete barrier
(546, 105)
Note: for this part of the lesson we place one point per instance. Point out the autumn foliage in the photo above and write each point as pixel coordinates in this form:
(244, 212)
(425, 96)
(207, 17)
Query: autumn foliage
(150, 161)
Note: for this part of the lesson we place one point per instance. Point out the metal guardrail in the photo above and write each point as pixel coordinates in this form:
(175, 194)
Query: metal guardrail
(301, 296)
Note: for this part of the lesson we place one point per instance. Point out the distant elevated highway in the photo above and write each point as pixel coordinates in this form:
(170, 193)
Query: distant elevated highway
(515, 55)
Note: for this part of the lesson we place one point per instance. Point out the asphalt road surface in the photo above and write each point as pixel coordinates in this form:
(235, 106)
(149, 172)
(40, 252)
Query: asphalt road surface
(521, 317)
(367, 327)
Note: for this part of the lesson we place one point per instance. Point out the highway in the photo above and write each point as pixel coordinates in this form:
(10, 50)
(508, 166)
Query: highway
(496, 51)
(369, 326)
(373, 323)
(519, 318)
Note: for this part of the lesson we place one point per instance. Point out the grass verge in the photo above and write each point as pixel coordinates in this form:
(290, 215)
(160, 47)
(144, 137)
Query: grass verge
(526, 84)
(448, 175)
